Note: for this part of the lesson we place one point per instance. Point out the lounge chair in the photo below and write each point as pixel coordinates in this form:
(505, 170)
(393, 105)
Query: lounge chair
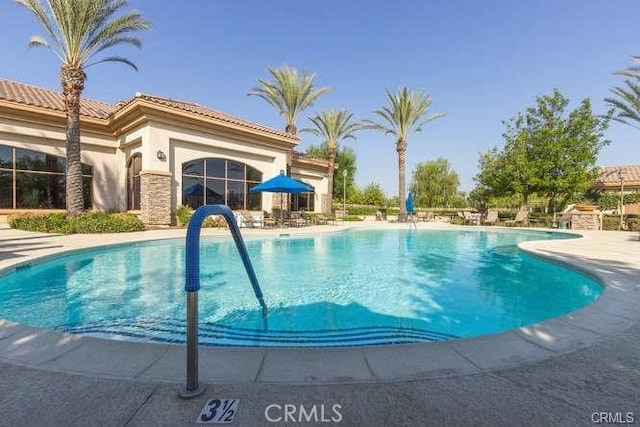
(491, 218)
(470, 218)
(522, 217)
(425, 216)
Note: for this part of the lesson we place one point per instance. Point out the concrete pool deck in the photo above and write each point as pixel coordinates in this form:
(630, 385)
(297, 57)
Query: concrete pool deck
(559, 372)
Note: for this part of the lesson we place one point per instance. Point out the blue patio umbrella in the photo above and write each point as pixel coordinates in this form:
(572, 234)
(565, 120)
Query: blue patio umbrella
(409, 203)
(283, 184)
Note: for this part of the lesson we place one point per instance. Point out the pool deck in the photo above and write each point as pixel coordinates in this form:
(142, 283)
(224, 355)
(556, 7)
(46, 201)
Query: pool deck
(573, 370)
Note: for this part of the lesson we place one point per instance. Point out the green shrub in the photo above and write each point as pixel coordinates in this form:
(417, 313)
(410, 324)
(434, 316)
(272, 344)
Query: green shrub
(353, 218)
(90, 222)
(106, 222)
(43, 223)
(183, 215)
(214, 221)
(633, 224)
(362, 210)
(610, 222)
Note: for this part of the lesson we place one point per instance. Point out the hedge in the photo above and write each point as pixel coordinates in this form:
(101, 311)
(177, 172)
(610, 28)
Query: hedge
(90, 222)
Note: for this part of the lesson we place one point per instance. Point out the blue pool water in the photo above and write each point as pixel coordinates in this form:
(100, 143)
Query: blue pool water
(360, 287)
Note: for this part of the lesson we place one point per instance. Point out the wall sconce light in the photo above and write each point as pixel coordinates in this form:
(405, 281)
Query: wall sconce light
(161, 156)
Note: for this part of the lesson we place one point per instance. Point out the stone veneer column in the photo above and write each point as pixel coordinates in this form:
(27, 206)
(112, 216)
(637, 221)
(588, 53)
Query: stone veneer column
(155, 197)
(585, 220)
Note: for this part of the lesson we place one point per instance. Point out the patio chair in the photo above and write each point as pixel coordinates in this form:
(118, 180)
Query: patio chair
(267, 220)
(491, 218)
(296, 220)
(253, 219)
(522, 217)
(471, 218)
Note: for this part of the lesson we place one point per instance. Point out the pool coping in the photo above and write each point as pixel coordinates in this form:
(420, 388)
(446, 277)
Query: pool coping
(612, 313)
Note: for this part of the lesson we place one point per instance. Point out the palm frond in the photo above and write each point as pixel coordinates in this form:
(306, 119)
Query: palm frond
(626, 103)
(290, 92)
(404, 113)
(114, 59)
(333, 126)
(79, 29)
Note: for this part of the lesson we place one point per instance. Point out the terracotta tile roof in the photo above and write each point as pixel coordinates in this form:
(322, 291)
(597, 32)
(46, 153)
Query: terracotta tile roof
(609, 174)
(46, 98)
(207, 112)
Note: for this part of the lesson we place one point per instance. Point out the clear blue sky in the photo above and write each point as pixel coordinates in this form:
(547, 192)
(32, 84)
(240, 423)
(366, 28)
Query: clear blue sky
(481, 61)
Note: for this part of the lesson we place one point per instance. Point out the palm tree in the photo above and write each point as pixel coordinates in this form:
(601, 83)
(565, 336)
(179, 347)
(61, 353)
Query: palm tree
(333, 126)
(627, 99)
(403, 114)
(627, 103)
(291, 93)
(78, 30)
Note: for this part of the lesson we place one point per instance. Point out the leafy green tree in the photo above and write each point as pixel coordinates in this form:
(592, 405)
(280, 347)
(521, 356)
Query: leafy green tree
(333, 126)
(435, 184)
(76, 31)
(546, 151)
(346, 160)
(626, 98)
(290, 93)
(372, 194)
(404, 113)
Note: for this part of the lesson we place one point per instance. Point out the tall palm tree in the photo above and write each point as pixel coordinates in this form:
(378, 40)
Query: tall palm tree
(333, 126)
(76, 31)
(404, 114)
(290, 92)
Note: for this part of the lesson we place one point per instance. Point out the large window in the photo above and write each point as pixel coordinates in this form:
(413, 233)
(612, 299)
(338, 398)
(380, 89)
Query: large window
(133, 182)
(220, 181)
(303, 201)
(34, 180)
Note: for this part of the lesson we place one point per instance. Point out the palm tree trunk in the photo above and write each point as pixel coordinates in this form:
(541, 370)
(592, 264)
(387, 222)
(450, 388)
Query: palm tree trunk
(401, 148)
(291, 129)
(332, 163)
(72, 79)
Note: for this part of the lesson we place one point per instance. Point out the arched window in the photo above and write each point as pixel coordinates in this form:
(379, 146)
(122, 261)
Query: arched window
(33, 180)
(220, 181)
(133, 182)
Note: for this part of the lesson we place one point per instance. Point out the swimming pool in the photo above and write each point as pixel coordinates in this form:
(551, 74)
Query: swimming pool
(360, 287)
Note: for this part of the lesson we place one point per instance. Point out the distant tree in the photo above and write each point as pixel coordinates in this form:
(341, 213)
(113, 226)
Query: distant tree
(435, 184)
(346, 160)
(626, 98)
(333, 126)
(546, 151)
(404, 113)
(290, 93)
(372, 194)
(77, 31)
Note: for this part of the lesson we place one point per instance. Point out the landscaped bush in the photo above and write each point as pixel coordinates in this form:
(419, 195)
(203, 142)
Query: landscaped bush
(183, 215)
(353, 218)
(633, 224)
(362, 210)
(610, 222)
(90, 222)
(43, 223)
(214, 221)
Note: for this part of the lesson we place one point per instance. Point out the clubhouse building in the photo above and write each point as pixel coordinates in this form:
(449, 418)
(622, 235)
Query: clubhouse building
(148, 155)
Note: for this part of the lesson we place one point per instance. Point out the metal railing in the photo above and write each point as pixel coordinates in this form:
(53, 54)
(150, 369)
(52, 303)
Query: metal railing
(192, 285)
